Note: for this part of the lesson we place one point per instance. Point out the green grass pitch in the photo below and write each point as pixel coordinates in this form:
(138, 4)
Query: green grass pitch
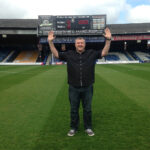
(35, 112)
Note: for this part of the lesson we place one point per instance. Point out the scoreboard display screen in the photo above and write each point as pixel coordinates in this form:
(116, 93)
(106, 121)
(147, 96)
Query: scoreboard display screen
(72, 25)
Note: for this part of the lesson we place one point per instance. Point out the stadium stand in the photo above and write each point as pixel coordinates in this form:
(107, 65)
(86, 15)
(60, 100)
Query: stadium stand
(21, 34)
(27, 57)
(49, 59)
(3, 54)
(12, 57)
(130, 58)
(112, 57)
(135, 56)
(45, 60)
(122, 56)
(10, 54)
(116, 56)
(56, 61)
(101, 60)
(143, 56)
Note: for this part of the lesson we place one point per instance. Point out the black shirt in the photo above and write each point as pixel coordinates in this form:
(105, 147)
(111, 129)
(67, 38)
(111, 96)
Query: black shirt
(80, 67)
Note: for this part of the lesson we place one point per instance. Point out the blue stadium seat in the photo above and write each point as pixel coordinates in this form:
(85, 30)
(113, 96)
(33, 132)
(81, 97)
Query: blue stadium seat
(3, 54)
(112, 57)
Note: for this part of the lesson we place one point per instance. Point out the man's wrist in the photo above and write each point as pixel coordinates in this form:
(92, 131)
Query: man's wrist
(108, 39)
(50, 42)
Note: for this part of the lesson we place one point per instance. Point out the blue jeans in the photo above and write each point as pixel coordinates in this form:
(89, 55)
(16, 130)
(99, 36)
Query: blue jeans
(75, 95)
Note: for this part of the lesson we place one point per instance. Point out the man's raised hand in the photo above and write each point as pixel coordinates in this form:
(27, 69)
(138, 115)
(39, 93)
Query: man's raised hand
(107, 34)
(51, 36)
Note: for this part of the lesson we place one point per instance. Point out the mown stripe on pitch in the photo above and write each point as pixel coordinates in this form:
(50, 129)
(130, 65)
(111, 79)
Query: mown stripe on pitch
(55, 129)
(132, 67)
(5, 68)
(21, 75)
(8, 70)
(134, 87)
(25, 112)
(137, 72)
(115, 117)
(119, 118)
(145, 67)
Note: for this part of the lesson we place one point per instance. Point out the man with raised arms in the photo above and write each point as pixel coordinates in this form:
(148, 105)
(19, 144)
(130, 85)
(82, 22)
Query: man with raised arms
(81, 72)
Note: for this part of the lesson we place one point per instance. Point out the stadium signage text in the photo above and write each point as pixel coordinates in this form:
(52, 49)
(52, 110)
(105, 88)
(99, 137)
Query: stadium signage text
(131, 37)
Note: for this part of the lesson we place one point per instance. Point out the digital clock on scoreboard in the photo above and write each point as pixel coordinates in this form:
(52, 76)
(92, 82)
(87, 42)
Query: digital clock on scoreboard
(72, 25)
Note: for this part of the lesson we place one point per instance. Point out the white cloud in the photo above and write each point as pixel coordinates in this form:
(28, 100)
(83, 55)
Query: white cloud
(116, 11)
(111, 8)
(33, 8)
(11, 11)
(139, 14)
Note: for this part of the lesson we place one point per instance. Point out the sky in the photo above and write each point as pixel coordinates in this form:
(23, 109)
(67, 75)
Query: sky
(117, 11)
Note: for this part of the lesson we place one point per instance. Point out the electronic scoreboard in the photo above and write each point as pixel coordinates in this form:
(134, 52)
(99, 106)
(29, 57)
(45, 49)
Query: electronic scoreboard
(71, 25)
